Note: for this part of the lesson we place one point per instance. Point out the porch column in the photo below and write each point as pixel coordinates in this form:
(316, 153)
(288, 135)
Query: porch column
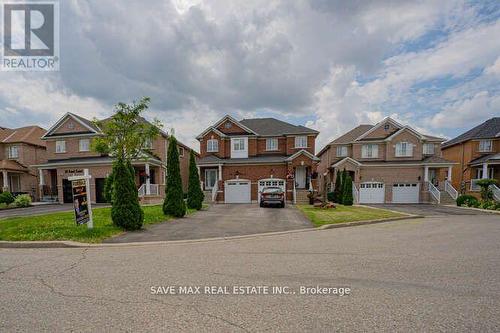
(40, 173)
(5, 180)
(426, 174)
(485, 170)
(148, 181)
(220, 172)
(449, 173)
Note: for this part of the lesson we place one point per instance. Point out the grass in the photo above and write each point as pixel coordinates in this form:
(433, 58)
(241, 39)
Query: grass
(62, 226)
(341, 214)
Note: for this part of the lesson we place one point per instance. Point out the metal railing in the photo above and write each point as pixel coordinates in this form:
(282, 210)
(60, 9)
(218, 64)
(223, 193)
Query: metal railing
(434, 191)
(450, 190)
(143, 190)
(496, 192)
(294, 193)
(474, 186)
(215, 189)
(355, 193)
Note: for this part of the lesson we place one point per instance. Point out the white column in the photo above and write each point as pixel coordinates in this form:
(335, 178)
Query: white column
(426, 174)
(485, 170)
(220, 172)
(148, 180)
(449, 173)
(5, 180)
(42, 181)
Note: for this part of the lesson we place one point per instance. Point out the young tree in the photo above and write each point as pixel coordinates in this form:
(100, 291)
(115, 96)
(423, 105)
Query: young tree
(486, 192)
(174, 197)
(347, 197)
(195, 194)
(108, 188)
(338, 187)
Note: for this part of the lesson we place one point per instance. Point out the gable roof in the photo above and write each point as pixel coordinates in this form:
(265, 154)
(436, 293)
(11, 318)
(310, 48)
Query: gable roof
(223, 119)
(347, 137)
(378, 125)
(302, 152)
(27, 134)
(84, 122)
(273, 126)
(487, 130)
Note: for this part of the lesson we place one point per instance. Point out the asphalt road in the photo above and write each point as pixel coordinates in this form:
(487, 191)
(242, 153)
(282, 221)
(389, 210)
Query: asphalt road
(429, 274)
(430, 209)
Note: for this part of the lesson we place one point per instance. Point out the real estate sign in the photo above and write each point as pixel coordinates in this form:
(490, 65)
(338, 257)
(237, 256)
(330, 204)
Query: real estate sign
(82, 215)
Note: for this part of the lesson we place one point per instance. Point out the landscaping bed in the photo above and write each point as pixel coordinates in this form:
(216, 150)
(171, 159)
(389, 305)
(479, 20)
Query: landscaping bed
(342, 214)
(61, 226)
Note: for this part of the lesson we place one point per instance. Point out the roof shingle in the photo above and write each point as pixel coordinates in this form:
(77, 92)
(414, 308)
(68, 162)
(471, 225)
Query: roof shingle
(272, 126)
(487, 130)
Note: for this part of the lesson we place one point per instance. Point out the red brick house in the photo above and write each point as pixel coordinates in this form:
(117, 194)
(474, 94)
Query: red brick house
(239, 158)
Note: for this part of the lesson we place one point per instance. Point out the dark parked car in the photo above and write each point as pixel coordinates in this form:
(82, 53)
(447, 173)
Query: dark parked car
(272, 196)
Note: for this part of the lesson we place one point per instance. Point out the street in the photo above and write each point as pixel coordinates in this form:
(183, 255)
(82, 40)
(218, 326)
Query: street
(438, 273)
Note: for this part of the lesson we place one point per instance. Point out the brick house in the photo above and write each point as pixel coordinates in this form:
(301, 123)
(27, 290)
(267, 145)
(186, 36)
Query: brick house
(389, 163)
(239, 158)
(69, 151)
(477, 153)
(20, 148)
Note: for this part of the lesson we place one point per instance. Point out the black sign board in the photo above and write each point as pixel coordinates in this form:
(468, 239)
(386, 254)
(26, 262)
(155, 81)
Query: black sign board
(80, 201)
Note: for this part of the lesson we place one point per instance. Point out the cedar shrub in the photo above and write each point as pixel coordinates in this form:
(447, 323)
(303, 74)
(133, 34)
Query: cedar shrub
(173, 204)
(195, 194)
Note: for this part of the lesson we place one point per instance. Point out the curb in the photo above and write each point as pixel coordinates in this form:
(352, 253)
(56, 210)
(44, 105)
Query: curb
(476, 209)
(356, 223)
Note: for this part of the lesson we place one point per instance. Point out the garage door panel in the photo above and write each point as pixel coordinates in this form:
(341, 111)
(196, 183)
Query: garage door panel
(371, 192)
(406, 193)
(237, 191)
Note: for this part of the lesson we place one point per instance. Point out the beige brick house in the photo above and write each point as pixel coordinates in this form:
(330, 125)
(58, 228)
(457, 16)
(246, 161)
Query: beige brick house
(69, 152)
(239, 158)
(20, 148)
(389, 163)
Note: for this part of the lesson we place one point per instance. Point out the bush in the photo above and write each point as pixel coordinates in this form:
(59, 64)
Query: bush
(195, 194)
(467, 200)
(23, 200)
(3, 205)
(173, 204)
(108, 188)
(347, 197)
(486, 192)
(338, 187)
(125, 210)
(6, 197)
(330, 196)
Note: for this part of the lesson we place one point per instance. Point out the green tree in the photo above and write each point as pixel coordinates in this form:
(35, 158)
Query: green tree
(174, 197)
(347, 196)
(126, 211)
(195, 194)
(108, 188)
(486, 192)
(337, 190)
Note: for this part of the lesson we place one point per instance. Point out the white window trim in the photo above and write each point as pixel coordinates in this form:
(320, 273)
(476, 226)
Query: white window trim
(272, 147)
(479, 173)
(426, 150)
(373, 150)
(211, 143)
(408, 152)
(242, 151)
(80, 145)
(298, 142)
(58, 142)
(181, 151)
(482, 150)
(148, 144)
(9, 152)
(341, 151)
(241, 143)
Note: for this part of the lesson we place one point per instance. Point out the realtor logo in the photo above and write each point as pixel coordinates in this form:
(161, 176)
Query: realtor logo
(30, 36)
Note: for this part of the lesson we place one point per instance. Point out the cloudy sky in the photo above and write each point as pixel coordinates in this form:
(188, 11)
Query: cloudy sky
(327, 64)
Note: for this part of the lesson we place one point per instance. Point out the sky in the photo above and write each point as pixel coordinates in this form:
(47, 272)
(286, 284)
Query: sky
(329, 65)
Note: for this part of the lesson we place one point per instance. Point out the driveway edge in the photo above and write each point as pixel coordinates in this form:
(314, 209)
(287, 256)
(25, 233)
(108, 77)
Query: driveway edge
(476, 209)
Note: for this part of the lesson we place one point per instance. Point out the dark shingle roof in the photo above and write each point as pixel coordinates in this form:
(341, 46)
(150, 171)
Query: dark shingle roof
(486, 158)
(272, 126)
(436, 159)
(489, 129)
(347, 137)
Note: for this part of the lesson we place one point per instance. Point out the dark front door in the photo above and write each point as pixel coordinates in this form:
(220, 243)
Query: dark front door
(99, 190)
(67, 191)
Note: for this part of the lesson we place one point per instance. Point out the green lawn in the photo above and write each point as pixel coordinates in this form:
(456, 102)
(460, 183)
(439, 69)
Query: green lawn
(321, 216)
(61, 226)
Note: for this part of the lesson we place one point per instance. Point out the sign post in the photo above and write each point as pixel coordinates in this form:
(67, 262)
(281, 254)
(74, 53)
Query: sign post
(81, 198)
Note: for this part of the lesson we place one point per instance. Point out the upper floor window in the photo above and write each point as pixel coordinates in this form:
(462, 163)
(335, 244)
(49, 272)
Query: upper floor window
(341, 151)
(271, 144)
(238, 144)
(239, 147)
(301, 142)
(369, 151)
(60, 146)
(84, 145)
(404, 149)
(148, 143)
(13, 152)
(181, 152)
(428, 149)
(212, 145)
(485, 145)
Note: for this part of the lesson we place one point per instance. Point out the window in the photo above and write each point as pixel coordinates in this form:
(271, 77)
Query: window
(271, 144)
(301, 142)
(341, 151)
(13, 152)
(84, 145)
(238, 144)
(239, 147)
(404, 149)
(60, 146)
(485, 145)
(181, 152)
(148, 143)
(369, 151)
(212, 145)
(479, 173)
(428, 149)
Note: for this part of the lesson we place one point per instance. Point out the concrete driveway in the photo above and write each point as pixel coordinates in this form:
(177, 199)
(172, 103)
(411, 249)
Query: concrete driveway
(221, 220)
(429, 209)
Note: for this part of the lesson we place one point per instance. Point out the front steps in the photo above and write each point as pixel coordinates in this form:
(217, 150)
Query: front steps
(446, 199)
(302, 197)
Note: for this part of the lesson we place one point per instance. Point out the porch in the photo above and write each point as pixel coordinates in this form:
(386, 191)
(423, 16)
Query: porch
(17, 179)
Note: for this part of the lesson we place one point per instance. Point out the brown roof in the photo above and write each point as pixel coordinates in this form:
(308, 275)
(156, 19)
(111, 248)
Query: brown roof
(28, 134)
(436, 159)
(12, 165)
(347, 137)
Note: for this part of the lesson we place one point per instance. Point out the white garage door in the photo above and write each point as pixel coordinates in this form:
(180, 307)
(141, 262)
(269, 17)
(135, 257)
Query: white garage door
(372, 192)
(271, 182)
(237, 191)
(405, 193)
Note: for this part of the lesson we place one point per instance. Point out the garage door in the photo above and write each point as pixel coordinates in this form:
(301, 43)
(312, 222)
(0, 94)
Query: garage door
(271, 182)
(405, 193)
(372, 192)
(237, 191)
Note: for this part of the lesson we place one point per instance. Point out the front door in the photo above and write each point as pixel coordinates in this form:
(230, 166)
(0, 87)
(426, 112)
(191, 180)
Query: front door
(99, 190)
(67, 191)
(15, 183)
(433, 177)
(300, 177)
(210, 178)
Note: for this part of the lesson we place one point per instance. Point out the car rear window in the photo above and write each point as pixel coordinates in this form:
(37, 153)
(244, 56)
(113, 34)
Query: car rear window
(272, 190)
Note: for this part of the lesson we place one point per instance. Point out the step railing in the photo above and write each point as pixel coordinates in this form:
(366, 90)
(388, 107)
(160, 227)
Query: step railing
(434, 192)
(450, 190)
(294, 194)
(215, 189)
(473, 185)
(355, 193)
(154, 189)
(496, 192)
(142, 191)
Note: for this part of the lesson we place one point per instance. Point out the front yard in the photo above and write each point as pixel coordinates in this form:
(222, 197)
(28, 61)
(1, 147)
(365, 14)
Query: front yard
(61, 226)
(341, 214)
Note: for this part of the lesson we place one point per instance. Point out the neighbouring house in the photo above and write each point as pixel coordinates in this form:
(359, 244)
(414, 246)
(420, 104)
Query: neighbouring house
(20, 148)
(239, 158)
(389, 163)
(69, 152)
(477, 153)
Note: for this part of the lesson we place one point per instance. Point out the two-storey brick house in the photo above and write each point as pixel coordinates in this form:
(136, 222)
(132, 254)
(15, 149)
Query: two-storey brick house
(477, 153)
(69, 152)
(389, 163)
(20, 148)
(239, 158)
